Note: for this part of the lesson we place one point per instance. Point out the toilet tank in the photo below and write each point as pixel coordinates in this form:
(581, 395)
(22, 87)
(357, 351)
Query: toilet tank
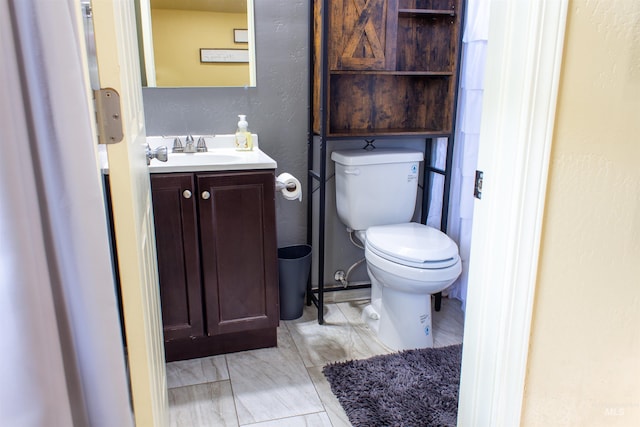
(376, 187)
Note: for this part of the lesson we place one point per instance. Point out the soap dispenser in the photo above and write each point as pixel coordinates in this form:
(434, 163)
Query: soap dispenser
(243, 138)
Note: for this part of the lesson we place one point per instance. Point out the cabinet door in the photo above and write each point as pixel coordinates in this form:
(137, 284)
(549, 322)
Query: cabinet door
(363, 34)
(239, 253)
(174, 210)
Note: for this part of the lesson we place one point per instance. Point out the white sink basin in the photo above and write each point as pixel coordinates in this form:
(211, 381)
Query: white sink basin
(197, 158)
(221, 156)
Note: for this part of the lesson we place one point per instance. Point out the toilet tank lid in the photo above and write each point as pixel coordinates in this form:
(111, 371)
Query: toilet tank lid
(375, 157)
(413, 244)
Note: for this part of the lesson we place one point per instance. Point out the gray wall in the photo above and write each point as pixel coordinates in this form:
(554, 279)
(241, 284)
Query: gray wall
(276, 109)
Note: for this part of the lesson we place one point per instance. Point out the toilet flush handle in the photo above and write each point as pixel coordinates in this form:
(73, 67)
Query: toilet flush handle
(352, 171)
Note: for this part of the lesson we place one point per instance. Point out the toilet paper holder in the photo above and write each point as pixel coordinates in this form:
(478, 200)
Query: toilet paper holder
(289, 186)
(281, 186)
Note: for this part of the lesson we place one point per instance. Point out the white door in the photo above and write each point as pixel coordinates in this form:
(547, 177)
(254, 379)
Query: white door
(118, 68)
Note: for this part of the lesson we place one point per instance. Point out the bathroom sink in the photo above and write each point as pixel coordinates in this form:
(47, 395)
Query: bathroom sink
(220, 156)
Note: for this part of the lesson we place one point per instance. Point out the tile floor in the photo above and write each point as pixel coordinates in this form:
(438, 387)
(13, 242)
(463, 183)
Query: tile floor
(285, 386)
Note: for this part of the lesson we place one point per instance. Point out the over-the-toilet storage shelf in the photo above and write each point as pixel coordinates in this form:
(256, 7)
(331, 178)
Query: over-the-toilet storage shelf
(381, 69)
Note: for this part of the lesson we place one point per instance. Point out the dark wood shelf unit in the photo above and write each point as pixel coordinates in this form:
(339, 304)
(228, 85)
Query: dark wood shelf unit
(381, 69)
(388, 103)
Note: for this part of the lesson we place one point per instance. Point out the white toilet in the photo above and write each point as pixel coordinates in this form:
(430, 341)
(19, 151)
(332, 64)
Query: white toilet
(407, 262)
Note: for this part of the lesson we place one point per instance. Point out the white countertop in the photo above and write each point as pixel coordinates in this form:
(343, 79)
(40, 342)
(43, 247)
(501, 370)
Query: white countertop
(221, 156)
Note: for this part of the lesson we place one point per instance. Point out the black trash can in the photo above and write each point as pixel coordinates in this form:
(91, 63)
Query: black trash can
(294, 267)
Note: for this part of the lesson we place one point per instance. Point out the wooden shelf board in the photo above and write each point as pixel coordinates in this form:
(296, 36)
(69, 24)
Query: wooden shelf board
(426, 12)
(394, 73)
(373, 133)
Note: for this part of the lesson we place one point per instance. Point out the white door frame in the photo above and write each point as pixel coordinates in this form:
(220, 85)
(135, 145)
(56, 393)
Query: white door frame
(523, 70)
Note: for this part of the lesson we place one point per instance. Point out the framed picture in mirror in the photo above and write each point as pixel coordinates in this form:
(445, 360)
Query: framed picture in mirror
(240, 35)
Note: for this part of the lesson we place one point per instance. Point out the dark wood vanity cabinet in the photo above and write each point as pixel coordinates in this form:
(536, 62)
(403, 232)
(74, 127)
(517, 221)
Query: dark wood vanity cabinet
(239, 254)
(217, 261)
(176, 224)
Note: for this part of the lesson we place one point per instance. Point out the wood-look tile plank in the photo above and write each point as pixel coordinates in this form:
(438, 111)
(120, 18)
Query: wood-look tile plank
(333, 341)
(319, 419)
(272, 383)
(196, 371)
(202, 405)
(352, 310)
(448, 323)
(331, 404)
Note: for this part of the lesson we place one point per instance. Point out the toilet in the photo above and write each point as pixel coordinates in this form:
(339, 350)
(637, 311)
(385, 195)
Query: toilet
(407, 262)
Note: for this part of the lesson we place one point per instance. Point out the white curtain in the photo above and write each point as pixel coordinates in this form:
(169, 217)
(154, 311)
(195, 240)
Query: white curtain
(465, 154)
(62, 361)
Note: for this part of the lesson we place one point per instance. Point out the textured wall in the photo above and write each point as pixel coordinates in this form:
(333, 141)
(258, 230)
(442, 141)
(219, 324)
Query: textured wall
(276, 108)
(584, 358)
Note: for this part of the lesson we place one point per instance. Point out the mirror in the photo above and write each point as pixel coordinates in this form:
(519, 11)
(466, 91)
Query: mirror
(196, 43)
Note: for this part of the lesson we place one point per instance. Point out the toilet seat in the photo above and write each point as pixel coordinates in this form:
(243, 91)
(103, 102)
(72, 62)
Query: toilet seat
(413, 245)
(411, 279)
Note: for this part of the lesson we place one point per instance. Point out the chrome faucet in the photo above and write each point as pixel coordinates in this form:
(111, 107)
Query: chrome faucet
(189, 144)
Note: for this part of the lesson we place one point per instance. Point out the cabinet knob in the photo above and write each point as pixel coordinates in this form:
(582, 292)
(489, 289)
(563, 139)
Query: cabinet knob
(186, 194)
(205, 195)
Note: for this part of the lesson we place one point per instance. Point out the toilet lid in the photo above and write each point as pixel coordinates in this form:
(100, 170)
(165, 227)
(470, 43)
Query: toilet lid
(413, 244)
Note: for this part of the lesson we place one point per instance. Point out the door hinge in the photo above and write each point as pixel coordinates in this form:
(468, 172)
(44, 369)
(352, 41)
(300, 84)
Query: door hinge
(108, 116)
(477, 189)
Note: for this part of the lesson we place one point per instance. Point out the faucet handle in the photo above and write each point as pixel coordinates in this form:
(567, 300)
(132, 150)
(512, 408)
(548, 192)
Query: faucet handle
(189, 145)
(177, 146)
(202, 145)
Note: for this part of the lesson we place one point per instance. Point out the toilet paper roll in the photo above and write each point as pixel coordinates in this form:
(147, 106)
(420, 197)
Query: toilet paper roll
(291, 188)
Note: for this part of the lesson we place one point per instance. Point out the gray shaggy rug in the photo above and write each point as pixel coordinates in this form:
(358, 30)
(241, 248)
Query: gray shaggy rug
(411, 388)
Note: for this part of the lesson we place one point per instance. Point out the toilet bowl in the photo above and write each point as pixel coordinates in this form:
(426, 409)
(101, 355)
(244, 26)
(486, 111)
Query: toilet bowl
(407, 263)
